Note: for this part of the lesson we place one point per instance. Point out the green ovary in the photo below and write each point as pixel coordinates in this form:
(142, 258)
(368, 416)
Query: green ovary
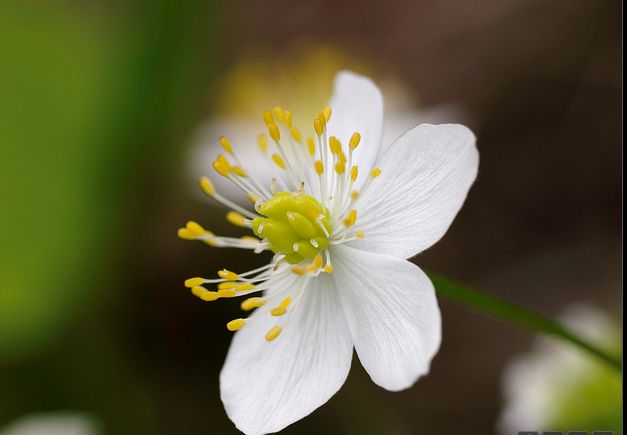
(293, 221)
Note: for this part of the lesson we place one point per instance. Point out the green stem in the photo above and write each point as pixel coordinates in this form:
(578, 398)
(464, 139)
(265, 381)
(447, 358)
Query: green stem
(519, 316)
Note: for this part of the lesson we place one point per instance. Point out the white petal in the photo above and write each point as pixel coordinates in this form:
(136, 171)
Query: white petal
(426, 175)
(357, 106)
(392, 312)
(266, 386)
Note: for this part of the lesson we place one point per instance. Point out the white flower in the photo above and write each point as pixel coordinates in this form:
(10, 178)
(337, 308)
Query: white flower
(558, 387)
(341, 217)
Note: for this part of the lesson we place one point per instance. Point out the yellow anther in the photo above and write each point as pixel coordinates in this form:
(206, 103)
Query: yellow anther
(245, 287)
(354, 172)
(267, 117)
(351, 218)
(278, 311)
(237, 170)
(354, 194)
(227, 293)
(322, 119)
(221, 167)
(195, 229)
(342, 157)
(296, 134)
(228, 275)
(375, 172)
(279, 161)
(226, 145)
(274, 133)
(273, 332)
(334, 145)
(319, 167)
(236, 324)
(185, 234)
(285, 302)
(194, 282)
(317, 261)
(207, 186)
(210, 242)
(249, 239)
(318, 127)
(204, 294)
(360, 234)
(298, 270)
(287, 118)
(252, 303)
(252, 198)
(262, 142)
(311, 146)
(229, 285)
(340, 167)
(354, 141)
(237, 219)
(327, 113)
(278, 113)
(328, 268)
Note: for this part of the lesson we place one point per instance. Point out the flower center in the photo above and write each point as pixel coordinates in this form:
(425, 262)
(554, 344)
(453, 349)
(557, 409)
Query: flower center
(295, 225)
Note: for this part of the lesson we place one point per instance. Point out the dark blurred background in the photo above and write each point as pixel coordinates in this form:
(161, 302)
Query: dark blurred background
(99, 106)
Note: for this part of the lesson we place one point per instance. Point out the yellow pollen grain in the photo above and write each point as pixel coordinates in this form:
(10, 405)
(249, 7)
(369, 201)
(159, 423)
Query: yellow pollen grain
(185, 234)
(278, 113)
(228, 293)
(251, 197)
(245, 287)
(278, 160)
(334, 145)
(236, 219)
(238, 171)
(252, 303)
(327, 113)
(322, 119)
(328, 268)
(229, 285)
(354, 172)
(249, 239)
(228, 275)
(298, 270)
(296, 134)
(221, 167)
(319, 167)
(262, 142)
(354, 140)
(273, 332)
(204, 294)
(311, 146)
(351, 218)
(354, 194)
(274, 133)
(287, 118)
(267, 117)
(318, 127)
(375, 172)
(194, 228)
(207, 186)
(194, 282)
(360, 234)
(226, 145)
(235, 324)
(317, 263)
(278, 311)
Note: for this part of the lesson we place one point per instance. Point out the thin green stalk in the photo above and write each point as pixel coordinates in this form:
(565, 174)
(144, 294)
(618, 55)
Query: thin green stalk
(519, 316)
